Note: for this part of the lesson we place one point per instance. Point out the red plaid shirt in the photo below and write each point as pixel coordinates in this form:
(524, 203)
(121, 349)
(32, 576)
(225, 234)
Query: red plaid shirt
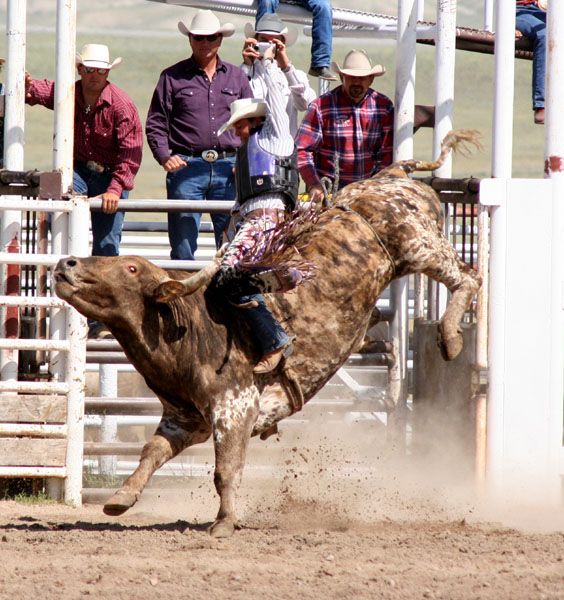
(361, 134)
(110, 133)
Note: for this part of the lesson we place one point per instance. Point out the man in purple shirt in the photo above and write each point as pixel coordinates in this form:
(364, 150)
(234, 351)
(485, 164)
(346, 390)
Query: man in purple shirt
(190, 103)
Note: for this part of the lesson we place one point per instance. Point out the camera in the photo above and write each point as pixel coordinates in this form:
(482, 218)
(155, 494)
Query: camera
(262, 47)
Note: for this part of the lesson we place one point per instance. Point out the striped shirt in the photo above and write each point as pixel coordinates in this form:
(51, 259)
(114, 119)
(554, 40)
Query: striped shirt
(274, 137)
(109, 133)
(361, 135)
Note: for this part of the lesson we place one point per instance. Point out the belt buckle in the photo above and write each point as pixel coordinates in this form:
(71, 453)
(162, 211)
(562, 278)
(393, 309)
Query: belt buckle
(210, 155)
(95, 167)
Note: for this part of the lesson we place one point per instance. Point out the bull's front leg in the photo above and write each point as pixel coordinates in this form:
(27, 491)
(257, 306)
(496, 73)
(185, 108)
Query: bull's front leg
(171, 437)
(233, 420)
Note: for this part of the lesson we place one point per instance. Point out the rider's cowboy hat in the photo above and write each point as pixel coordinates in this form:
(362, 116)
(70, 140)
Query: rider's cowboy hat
(357, 64)
(244, 108)
(271, 24)
(205, 22)
(97, 56)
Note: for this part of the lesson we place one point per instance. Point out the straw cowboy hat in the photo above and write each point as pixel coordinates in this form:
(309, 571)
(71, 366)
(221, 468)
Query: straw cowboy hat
(357, 64)
(271, 24)
(97, 56)
(244, 108)
(205, 22)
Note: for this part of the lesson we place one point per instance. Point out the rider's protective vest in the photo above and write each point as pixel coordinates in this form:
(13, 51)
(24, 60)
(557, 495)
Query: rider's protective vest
(258, 171)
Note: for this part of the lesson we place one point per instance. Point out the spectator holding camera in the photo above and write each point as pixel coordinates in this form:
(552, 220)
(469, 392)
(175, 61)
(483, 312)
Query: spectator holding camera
(293, 83)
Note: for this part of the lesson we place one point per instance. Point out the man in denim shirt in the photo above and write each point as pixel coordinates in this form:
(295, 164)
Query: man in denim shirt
(190, 103)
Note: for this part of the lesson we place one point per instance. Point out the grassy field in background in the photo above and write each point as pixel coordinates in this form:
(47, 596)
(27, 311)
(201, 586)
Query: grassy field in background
(146, 55)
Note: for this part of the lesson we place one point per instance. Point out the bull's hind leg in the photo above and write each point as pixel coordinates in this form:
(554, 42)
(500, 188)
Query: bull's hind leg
(435, 257)
(171, 437)
(233, 421)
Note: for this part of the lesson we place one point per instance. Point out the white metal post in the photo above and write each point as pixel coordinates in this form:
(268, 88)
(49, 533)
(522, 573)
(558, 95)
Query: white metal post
(108, 377)
(13, 160)
(63, 144)
(76, 361)
(404, 103)
(420, 10)
(554, 168)
(488, 15)
(445, 55)
(501, 168)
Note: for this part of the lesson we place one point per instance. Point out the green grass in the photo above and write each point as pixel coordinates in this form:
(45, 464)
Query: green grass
(33, 499)
(145, 57)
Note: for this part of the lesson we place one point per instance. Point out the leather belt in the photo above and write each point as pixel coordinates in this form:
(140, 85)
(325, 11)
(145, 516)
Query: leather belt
(95, 166)
(210, 155)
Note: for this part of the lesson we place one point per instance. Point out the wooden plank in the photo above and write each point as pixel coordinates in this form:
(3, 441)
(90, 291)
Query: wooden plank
(33, 409)
(32, 452)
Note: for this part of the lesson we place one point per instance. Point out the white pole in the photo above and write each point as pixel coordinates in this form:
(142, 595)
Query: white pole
(554, 161)
(76, 362)
(445, 49)
(108, 377)
(73, 240)
(444, 78)
(488, 15)
(403, 149)
(64, 90)
(420, 10)
(14, 160)
(501, 168)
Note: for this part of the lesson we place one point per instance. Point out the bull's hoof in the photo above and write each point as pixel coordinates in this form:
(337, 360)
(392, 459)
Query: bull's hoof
(270, 431)
(121, 501)
(169, 290)
(222, 528)
(450, 347)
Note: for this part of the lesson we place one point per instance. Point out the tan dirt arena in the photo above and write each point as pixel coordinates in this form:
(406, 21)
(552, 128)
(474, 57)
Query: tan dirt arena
(334, 519)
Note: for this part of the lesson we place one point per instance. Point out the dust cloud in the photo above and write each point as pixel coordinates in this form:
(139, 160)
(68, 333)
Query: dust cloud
(339, 475)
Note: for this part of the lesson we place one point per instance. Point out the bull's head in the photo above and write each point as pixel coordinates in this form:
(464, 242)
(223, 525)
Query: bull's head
(104, 287)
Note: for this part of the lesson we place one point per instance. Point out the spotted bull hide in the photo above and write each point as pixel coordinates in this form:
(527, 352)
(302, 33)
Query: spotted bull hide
(197, 354)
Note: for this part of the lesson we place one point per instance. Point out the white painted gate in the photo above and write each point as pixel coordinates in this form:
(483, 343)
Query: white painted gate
(525, 454)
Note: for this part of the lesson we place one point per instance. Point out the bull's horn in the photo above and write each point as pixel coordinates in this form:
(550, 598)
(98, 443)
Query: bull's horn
(173, 288)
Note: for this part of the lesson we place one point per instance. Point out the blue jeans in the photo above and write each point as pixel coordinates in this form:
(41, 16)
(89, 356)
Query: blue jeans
(266, 328)
(322, 27)
(531, 22)
(106, 228)
(198, 180)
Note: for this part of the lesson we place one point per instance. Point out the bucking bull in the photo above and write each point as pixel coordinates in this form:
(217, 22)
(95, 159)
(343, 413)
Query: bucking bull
(196, 351)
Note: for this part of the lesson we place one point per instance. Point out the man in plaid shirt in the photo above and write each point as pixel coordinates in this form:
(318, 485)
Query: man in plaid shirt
(348, 130)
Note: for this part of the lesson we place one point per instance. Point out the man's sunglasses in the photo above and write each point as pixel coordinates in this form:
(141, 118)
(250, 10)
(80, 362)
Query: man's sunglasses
(91, 70)
(210, 38)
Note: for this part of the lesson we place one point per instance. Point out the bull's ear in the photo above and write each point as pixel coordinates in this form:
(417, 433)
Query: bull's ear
(169, 290)
(151, 288)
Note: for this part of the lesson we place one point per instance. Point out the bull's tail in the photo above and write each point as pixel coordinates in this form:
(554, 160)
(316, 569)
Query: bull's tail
(459, 140)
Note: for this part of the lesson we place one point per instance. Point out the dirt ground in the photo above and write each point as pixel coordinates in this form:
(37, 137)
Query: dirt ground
(322, 525)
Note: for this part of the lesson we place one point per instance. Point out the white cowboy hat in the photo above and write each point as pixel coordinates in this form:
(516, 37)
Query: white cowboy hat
(205, 22)
(97, 56)
(271, 24)
(244, 108)
(357, 64)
